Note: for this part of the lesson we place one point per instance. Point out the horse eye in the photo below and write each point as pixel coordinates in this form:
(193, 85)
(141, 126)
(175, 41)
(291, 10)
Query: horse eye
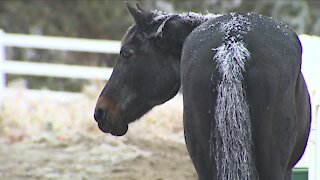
(126, 53)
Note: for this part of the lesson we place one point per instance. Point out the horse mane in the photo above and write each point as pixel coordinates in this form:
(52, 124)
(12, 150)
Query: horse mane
(153, 32)
(194, 19)
(232, 131)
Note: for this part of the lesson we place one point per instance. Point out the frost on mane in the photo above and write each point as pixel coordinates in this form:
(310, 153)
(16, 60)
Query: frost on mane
(232, 131)
(191, 17)
(188, 16)
(159, 15)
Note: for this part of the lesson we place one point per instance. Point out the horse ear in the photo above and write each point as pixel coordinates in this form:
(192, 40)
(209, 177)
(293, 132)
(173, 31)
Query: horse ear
(140, 9)
(140, 16)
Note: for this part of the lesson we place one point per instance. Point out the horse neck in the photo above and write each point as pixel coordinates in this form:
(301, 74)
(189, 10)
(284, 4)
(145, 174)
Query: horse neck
(185, 24)
(190, 25)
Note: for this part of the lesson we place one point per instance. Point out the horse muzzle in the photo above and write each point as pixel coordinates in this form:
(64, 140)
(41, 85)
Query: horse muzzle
(108, 118)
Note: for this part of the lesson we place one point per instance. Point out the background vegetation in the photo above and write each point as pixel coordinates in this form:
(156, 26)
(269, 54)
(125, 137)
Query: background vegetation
(109, 19)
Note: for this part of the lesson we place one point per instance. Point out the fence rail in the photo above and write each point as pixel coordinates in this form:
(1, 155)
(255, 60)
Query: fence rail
(311, 160)
(53, 70)
(59, 43)
(56, 70)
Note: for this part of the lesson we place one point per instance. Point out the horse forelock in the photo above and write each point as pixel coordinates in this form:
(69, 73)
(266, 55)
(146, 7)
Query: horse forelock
(128, 35)
(136, 35)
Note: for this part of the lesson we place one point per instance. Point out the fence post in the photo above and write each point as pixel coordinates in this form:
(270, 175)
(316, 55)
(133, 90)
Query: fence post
(2, 61)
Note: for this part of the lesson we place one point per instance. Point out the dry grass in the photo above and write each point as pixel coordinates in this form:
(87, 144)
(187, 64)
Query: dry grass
(27, 115)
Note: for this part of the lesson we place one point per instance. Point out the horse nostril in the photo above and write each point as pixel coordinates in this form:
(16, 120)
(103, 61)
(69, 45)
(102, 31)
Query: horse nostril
(99, 115)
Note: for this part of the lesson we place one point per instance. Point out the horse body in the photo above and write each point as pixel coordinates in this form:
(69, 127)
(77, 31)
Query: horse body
(246, 106)
(272, 87)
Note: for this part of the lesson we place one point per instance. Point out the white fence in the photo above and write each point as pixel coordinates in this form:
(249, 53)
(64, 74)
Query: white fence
(53, 70)
(310, 68)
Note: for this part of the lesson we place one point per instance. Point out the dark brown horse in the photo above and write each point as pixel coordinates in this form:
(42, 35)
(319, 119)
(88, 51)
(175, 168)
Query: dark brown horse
(246, 105)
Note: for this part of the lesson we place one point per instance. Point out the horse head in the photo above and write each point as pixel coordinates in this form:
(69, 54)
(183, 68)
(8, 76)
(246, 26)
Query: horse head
(146, 72)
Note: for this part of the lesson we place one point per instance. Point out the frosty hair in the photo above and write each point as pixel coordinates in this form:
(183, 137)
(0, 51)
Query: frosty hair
(232, 131)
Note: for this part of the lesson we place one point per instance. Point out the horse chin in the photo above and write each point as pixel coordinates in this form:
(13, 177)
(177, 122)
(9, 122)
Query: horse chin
(120, 131)
(103, 127)
(115, 131)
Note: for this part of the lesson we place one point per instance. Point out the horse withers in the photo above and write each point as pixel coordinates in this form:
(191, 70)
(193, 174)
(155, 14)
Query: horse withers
(246, 105)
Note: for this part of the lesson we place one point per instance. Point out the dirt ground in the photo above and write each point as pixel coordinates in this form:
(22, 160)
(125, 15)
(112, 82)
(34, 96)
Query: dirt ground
(96, 158)
(60, 140)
